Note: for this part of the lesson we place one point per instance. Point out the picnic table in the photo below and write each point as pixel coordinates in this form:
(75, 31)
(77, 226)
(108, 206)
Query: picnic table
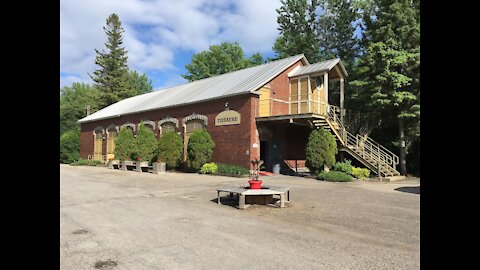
(247, 196)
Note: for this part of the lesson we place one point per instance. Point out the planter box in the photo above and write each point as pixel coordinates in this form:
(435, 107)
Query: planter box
(159, 168)
(139, 165)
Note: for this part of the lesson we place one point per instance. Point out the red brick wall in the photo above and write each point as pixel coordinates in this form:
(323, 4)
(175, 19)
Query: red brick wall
(232, 142)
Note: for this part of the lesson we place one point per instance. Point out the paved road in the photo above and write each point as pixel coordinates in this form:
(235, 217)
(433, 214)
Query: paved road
(130, 220)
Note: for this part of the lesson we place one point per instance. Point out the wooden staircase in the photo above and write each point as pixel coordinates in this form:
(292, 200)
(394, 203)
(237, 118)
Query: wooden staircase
(370, 153)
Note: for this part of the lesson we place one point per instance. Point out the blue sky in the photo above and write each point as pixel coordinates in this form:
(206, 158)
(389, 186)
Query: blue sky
(161, 36)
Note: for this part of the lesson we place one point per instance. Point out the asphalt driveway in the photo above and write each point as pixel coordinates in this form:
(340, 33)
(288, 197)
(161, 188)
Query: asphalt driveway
(110, 219)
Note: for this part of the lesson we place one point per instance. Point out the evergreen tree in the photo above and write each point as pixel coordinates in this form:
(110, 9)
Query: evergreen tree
(145, 143)
(219, 59)
(298, 28)
(112, 79)
(140, 83)
(199, 149)
(170, 148)
(320, 150)
(389, 79)
(320, 29)
(124, 144)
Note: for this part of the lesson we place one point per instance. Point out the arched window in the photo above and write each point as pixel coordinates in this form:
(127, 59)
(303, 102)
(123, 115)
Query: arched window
(168, 127)
(130, 126)
(97, 144)
(149, 124)
(168, 124)
(193, 125)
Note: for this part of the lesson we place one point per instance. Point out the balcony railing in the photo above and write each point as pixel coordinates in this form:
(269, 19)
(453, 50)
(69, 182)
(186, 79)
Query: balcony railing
(289, 106)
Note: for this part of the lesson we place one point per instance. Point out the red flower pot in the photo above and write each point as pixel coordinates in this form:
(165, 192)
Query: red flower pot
(255, 184)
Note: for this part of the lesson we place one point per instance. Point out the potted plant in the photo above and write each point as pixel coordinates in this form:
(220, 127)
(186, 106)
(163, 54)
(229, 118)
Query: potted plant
(254, 182)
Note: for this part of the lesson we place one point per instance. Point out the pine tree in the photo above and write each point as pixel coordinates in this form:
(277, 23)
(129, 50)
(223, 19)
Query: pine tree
(320, 29)
(389, 77)
(112, 79)
(298, 28)
(140, 83)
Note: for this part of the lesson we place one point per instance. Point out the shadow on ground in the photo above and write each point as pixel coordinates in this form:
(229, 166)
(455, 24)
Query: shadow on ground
(414, 190)
(227, 200)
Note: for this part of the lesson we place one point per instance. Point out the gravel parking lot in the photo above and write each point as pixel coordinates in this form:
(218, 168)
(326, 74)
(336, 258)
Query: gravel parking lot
(110, 219)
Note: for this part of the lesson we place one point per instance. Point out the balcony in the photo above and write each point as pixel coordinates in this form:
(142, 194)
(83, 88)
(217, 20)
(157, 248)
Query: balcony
(291, 105)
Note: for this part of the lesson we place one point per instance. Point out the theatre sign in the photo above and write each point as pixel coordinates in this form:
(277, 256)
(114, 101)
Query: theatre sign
(228, 117)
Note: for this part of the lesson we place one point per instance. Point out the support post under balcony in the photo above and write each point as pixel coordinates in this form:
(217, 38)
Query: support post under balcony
(342, 83)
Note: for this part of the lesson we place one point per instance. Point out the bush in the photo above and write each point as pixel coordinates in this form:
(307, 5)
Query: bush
(200, 149)
(320, 150)
(70, 146)
(231, 169)
(345, 167)
(170, 149)
(86, 162)
(360, 173)
(124, 144)
(334, 176)
(146, 144)
(209, 168)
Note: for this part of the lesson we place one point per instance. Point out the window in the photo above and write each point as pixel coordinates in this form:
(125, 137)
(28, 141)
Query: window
(168, 127)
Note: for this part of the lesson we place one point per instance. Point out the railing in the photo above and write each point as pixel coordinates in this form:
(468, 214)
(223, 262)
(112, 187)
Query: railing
(333, 116)
(373, 150)
(378, 154)
(289, 105)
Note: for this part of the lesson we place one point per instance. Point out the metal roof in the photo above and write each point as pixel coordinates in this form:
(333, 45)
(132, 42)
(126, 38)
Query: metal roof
(229, 84)
(320, 67)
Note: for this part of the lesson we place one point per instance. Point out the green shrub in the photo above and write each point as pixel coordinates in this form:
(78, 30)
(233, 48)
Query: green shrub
(70, 146)
(231, 169)
(345, 166)
(209, 168)
(200, 149)
(170, 149)
(360, 173)
(124, 144)
(146, 144)
(86, 162)
(334, 176)
(320, 150)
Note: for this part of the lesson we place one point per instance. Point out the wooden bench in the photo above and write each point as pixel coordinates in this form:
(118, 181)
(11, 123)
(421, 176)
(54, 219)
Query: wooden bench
(247, 196)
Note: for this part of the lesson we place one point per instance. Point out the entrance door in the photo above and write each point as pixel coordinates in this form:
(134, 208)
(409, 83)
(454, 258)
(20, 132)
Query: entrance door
(263, 152)
(97, 147)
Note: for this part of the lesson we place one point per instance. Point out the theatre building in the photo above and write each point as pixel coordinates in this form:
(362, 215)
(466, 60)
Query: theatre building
(264, 112)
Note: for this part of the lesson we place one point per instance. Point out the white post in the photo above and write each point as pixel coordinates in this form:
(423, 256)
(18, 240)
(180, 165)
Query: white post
(325, 86)
(341, 99)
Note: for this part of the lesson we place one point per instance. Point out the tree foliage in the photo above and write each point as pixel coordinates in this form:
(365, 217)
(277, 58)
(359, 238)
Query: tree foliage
(200, 149)
(170, 147)
(146, 143)
(320, 150)
(70, 146)
(388, 79)
(140, 83)
(112, 79)
(124, 144)
(219, 59)
(73, 102)
(320, 29)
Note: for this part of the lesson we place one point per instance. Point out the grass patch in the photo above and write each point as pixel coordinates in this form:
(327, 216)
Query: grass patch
(86, 162)
(334, 176)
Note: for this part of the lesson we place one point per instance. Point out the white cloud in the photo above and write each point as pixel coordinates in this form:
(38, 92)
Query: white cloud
(155, 29)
